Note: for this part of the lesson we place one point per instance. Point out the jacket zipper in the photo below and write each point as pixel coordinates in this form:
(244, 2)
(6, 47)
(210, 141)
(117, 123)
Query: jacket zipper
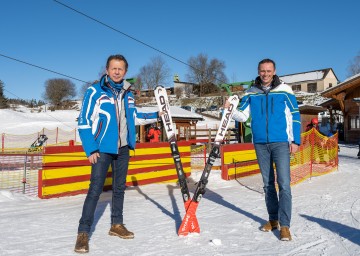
(267, 119)
(117, 116)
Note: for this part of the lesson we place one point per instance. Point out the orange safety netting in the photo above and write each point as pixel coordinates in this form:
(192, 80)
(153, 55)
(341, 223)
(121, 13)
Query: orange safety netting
(10, 142)
(318, 155)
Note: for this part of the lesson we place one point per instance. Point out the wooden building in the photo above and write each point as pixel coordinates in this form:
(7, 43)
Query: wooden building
(346, 98)
(183, 120)
(308, 112)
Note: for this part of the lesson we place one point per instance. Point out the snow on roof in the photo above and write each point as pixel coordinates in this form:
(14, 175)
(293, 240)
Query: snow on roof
(174, 110)
(307, 76)
(350, 78)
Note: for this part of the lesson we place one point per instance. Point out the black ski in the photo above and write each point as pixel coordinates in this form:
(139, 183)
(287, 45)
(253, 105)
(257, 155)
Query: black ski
(163, 104)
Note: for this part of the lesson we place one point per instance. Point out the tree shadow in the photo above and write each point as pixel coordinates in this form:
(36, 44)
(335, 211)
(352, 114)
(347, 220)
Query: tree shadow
(349, 233)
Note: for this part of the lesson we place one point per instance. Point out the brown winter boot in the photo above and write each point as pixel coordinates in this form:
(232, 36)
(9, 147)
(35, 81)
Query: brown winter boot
(120, 231)
(285, 234)
(82, 243)
(270, 225)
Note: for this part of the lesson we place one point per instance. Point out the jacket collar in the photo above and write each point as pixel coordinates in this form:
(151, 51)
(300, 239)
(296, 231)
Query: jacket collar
(275, 82)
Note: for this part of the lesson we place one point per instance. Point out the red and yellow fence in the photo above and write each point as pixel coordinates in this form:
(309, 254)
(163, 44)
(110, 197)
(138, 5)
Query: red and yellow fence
(317, 155)
(238, 160)
(66, 170)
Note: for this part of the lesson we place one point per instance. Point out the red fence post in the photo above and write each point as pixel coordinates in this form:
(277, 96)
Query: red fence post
(312, 145)
(3, 142)
(57, 133)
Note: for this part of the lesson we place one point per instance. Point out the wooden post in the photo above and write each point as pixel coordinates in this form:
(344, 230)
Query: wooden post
(209, 144)
(142, 134)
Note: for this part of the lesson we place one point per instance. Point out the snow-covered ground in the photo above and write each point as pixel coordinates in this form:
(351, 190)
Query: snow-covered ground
(326, 218)
(24, 121)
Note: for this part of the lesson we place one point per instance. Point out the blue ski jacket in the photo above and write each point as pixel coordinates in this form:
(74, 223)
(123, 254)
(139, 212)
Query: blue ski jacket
(99, 118)
(274, 114)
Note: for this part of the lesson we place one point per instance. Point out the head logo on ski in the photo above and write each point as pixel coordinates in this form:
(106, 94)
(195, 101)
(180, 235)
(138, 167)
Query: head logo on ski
(165, 109)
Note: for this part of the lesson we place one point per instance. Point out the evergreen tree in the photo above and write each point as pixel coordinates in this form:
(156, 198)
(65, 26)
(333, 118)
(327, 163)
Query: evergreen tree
(3, 100)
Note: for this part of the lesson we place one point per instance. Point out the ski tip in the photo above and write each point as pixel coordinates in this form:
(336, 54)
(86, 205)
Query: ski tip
(233, 97)
(159, 87)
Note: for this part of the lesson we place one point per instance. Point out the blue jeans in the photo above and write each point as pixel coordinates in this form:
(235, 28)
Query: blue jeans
(267, 155)
(119, 164)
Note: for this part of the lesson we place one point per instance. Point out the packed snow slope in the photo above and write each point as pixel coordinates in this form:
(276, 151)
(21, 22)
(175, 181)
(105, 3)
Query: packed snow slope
(326, 215)
(326, 218)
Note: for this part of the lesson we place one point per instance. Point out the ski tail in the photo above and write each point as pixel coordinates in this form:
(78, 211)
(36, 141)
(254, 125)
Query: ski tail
(190, 223)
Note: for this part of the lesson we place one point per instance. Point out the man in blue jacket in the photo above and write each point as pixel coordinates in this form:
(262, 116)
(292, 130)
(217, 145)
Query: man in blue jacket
(275, 128)
(107, 130)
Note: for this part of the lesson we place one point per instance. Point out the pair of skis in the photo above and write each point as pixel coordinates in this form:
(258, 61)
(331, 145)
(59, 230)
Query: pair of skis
(190, 223)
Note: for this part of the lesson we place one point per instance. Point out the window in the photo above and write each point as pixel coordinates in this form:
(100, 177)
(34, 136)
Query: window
(312, 87)
(354, 122)
(296, 87)
(330, 85)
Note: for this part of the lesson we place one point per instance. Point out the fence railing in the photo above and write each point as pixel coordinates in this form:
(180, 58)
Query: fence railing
(318, 155)
(19, 172)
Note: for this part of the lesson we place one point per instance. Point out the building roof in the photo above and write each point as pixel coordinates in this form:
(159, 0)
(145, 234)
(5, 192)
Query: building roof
(151, 90)
(331, 103)
(310, 110)
(351, 82)
(307, 76)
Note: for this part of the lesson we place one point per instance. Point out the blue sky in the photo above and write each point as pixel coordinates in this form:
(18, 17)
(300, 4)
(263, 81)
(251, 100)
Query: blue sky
(299, 35)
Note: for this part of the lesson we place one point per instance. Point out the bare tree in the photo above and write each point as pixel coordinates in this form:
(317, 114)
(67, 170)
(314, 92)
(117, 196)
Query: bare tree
(58, 90)
(354, 66)
(178, 91)
(84, 87)
(206, 73)
(156, 72)
(138, 85)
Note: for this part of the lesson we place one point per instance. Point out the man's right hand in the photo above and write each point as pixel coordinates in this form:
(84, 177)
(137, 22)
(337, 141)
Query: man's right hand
(227, 104)
(93, 157)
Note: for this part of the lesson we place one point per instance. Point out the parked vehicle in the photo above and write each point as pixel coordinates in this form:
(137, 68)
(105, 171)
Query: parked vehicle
(199, 110)
(188, 108)
(213, 108)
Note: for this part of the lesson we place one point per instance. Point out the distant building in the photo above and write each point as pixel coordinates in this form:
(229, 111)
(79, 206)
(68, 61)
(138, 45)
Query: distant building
(311, 81)
(183, 89)
(183, 120)
(150, 92)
